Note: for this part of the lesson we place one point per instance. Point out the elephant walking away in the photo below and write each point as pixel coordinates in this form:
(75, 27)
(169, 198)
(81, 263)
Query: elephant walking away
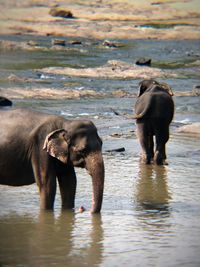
(38, 147)
(154, 111)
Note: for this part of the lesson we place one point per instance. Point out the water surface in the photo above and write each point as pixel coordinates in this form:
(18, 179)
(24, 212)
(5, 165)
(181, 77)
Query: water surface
(150, 214)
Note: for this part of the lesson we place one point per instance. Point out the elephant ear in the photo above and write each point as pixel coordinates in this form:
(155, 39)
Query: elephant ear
(57, 144)
(80, 144)
(144, 85)
(168, 89)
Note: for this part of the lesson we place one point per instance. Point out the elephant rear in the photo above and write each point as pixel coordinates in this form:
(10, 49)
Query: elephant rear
(158, 105)
(154, 110)
(16, 126)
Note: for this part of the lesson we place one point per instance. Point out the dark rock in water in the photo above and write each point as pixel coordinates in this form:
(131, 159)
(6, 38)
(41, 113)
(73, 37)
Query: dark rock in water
(143, 62)
(4, 102)
(116, 135)
(58, 42)
(75, 42)
(193, 128)
(55, 12)
(197, 86)
(156, 3)
(32, 43)
(121, 149)
(108, 43)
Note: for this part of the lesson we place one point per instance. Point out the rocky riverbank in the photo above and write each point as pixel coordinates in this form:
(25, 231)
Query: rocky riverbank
(102, 19)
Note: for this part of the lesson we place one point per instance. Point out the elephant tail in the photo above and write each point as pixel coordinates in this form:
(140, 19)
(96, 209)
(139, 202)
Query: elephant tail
(124, 115)
(129, 116)
(139, 114)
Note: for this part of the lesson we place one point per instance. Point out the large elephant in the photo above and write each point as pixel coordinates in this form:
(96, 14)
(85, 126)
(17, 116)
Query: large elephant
(154, 109)
(38, 147)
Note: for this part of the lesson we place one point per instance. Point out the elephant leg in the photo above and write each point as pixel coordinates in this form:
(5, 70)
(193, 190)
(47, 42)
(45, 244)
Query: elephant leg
(146, 142)
(67, 182)
(47, 193)
(162, 136)
(45, 177)
(151, 147)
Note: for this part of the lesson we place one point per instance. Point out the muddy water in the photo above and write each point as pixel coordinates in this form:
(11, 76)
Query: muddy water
(150, 215)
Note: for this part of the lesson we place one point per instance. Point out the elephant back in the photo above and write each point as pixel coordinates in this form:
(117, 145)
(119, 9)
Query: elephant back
(156, 104)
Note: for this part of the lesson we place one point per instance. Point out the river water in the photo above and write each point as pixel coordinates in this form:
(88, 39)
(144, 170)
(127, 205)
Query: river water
(150, 214)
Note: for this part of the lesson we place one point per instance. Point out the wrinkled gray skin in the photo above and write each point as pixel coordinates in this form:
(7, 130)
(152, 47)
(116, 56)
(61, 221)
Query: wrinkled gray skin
(37, 147)
(154, 111)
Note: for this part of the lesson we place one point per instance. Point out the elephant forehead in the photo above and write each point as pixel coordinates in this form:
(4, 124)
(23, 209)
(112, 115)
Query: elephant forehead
(81, 126)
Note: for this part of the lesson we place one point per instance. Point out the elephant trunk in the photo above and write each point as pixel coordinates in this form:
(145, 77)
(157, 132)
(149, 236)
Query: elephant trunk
(95, 167)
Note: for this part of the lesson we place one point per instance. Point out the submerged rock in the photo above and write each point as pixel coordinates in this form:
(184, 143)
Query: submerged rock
(193, 128)
(56, 12)
(143, 62)
(75, 42)
(58, 42)
(4, 102)
(120, 149)
(108, 43)
(12, 46)
(113, 69)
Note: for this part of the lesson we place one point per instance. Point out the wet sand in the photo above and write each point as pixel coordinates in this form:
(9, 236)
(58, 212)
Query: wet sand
(103, 19)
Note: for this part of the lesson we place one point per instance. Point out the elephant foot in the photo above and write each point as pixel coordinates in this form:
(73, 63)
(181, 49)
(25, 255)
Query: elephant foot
(165, 162)
(146, 159)
(159, 160)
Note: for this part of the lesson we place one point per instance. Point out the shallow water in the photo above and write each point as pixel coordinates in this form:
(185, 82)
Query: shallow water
(150, 215)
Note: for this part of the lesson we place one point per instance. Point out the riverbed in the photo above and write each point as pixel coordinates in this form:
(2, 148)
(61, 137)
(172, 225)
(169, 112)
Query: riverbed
(150, 214)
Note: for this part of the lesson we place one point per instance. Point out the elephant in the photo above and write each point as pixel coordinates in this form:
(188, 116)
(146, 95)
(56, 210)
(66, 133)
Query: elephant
(154, 109)
(5, 101)
(39, 147)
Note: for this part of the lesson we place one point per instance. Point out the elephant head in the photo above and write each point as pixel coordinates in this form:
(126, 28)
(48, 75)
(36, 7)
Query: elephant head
(149, 85)
(145, 84)
(78, 143)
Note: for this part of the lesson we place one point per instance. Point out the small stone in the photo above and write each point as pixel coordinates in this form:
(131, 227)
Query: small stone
(143, 62)
(5, 102)
(58, 42)
(81, 209)
(120, 149)
(55, 12)
(108, 43)
(32, 43)
(75, 42)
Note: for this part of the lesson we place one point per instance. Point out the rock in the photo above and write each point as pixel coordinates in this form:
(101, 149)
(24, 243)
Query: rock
(75, 42)
(197, 86)
(116, 135)
(110, 44)
(56, 12)
(156, 3)
(143, 62)
(4, 102)
(121, 149)
(113, 69)
(13, 46)
(81, 209)
(58, 42)
(193, 128)
(32, 43)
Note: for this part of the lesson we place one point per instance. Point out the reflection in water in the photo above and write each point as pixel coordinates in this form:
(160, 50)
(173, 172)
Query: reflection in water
(153, 197)
(50, 241)
(152, 189)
